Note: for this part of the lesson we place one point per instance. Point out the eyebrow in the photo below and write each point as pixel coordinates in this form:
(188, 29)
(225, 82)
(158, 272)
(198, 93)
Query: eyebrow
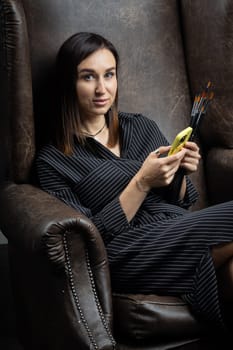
(89, 70)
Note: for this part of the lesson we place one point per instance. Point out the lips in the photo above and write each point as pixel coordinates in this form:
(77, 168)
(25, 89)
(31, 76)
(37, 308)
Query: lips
(101, 102)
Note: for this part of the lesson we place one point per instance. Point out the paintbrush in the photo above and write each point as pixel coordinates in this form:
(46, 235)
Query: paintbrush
(199, 108)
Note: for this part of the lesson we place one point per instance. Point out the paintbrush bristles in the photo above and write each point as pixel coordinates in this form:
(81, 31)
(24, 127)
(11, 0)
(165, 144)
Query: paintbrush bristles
(201, 100)
(200, 104)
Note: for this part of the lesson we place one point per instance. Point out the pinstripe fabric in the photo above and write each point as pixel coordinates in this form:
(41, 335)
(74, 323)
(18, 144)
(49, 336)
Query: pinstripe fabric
(165, 249)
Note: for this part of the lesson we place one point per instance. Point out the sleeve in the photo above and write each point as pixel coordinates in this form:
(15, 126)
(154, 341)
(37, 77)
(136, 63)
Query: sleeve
(110, 221)
(191, 195)
(172, 191)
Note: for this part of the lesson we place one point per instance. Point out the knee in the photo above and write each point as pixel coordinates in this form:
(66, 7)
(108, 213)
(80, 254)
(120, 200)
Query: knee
(225, 280)
(225, 284)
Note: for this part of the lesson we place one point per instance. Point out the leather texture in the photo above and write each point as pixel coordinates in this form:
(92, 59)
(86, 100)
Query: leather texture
(153, 317)
(16, 67)
(208, 37)
(59, 267)
(76, 293)
(208, 27)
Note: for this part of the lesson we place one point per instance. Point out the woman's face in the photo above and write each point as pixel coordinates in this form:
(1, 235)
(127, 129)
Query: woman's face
(96, 84)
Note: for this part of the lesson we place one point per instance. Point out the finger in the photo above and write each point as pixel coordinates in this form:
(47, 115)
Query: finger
(192, 146)
(177, 157)
(163, 150)
(172, 172)
(191, 157)
(190, 166)
(157, 152)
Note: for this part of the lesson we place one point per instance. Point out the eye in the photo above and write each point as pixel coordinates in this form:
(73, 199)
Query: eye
(88, 77)
(109, 75)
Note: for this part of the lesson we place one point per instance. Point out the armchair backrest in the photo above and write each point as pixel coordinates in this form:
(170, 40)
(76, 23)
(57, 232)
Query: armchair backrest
(208, 42)
(169, 50)
(147, 34)
(157, 71)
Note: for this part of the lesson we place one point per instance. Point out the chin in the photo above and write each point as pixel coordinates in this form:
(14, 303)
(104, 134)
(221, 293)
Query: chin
(101, 110)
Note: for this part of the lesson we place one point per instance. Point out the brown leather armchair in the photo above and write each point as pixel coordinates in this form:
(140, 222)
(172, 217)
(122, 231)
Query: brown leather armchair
(59, 268)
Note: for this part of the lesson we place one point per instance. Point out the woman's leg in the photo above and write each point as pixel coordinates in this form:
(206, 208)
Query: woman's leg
(225, 280)
(225, 287)
(223, 262)
(177, 256)
(221, 253)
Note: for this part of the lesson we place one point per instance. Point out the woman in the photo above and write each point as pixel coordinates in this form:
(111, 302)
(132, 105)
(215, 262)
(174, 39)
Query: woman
(113, 168)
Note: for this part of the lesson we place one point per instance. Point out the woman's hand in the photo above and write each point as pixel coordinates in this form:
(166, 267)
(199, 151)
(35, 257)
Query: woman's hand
(191, 158)
(159, 171)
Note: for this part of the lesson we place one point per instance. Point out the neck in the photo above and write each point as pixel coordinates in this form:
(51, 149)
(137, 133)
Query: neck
(97, 132)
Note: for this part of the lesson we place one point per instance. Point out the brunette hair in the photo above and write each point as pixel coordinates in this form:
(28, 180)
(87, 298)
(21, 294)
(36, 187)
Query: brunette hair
(68, 122)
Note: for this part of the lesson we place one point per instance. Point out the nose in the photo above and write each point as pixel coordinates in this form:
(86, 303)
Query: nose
(100, 86)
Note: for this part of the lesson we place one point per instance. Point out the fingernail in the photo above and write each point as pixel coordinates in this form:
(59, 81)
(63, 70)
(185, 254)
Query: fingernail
(157, 152)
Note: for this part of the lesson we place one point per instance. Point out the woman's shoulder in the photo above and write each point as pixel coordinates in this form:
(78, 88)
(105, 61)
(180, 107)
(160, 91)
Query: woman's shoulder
(137, 119)
(48, 152)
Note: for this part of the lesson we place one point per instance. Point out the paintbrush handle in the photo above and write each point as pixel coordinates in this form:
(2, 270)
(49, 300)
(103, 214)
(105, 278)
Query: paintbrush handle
(199, 109)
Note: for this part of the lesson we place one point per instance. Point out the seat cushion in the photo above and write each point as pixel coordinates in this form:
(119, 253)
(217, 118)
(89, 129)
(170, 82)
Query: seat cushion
(146, 317)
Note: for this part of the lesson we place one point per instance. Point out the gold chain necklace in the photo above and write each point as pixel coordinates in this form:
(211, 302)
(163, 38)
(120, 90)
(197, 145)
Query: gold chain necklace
(97, 133)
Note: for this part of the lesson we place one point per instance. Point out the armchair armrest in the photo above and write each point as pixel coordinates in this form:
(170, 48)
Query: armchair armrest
(38, 224)
(219, 174)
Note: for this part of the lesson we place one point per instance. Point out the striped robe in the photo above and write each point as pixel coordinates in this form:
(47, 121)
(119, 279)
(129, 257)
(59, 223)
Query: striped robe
(165, 249)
